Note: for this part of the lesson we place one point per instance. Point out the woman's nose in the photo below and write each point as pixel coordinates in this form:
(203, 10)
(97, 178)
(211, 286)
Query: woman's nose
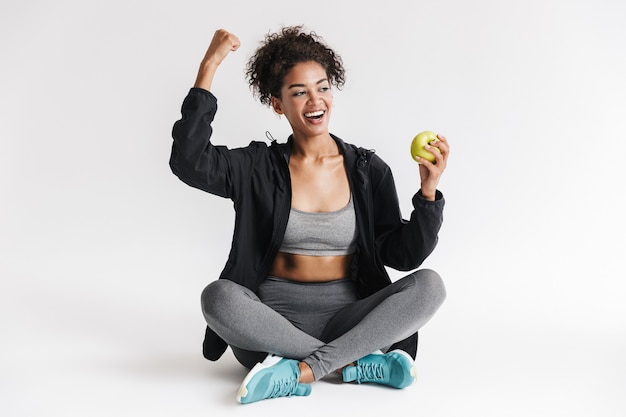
(314, 97)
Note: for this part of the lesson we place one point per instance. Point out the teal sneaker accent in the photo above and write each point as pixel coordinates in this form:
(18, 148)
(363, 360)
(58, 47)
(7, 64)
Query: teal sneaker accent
(274, 377)
(395, 369)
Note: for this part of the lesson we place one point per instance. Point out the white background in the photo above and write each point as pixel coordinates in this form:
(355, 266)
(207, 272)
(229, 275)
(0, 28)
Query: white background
(104, 253)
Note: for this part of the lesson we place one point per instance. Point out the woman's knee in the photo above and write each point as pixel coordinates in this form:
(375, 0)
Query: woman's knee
(430, 284)
(216, 293)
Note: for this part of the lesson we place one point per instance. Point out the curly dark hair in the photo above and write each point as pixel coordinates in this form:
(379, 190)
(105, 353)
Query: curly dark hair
(280, 51)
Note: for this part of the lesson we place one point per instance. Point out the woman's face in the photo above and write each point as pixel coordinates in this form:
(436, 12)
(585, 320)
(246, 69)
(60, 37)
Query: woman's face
(306, 99)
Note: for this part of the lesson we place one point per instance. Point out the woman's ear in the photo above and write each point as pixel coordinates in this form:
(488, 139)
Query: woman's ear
(277, 105)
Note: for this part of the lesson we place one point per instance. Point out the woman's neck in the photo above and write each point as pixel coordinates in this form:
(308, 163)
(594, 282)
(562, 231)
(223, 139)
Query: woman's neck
(314, 147)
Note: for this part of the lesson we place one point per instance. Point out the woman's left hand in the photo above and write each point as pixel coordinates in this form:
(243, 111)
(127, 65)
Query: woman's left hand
(430, 172)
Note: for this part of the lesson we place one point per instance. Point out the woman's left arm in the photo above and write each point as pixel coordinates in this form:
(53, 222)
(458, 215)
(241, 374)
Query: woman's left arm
(402, 244)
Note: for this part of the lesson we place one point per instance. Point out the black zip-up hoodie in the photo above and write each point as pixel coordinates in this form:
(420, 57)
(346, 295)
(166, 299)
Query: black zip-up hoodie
(256, 178)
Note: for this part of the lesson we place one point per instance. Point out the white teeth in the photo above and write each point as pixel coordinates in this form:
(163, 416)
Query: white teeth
(314, 113)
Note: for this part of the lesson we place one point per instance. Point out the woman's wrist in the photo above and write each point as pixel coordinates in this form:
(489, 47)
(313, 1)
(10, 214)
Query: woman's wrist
(429, 195)
(206, 72)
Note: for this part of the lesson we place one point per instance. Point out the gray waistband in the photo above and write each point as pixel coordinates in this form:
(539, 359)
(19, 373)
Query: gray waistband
(290, 281)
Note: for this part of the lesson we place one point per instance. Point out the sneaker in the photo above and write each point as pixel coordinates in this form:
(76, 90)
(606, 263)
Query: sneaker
(272, 378)
(395, 369)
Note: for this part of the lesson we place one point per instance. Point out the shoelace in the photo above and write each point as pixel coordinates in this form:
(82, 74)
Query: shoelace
(283, 388)
(369, 372)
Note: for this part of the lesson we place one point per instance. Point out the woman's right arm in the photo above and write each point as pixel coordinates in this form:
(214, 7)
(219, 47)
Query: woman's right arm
(194, 159)
(221, 45)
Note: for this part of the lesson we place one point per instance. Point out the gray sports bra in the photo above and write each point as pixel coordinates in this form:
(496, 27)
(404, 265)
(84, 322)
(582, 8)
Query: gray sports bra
(331, 233)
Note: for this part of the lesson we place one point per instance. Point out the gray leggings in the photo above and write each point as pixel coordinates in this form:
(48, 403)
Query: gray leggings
(322, 324)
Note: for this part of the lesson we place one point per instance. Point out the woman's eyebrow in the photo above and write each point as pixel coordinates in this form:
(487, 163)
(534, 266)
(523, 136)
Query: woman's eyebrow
(303, 85)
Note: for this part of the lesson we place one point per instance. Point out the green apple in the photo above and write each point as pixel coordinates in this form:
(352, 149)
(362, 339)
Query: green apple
(419, 141)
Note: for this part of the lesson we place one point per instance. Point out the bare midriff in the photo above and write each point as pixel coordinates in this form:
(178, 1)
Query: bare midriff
(305, 268)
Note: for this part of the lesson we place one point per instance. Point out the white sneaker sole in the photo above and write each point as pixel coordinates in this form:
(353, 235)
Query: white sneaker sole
(270, 360)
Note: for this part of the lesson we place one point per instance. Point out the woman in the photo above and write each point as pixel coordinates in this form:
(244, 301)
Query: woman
(305, 291)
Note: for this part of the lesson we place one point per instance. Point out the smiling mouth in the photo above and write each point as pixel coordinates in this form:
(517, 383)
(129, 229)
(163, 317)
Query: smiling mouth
(314, 114)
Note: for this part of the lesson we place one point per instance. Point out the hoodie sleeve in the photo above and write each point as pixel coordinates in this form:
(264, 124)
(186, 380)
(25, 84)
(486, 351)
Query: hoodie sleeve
(404, 244)
(195, 160)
